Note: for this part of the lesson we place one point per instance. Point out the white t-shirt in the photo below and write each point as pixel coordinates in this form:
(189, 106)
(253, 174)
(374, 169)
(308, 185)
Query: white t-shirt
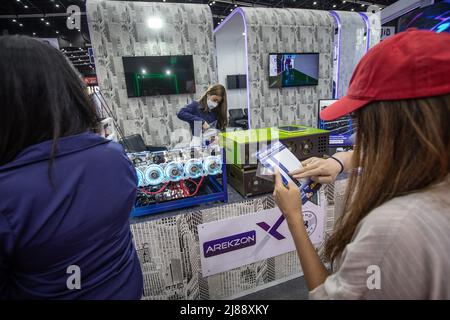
(408, 240)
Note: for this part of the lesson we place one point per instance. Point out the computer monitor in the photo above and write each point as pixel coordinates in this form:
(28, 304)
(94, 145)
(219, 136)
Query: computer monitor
(341, 130)
(293, 69)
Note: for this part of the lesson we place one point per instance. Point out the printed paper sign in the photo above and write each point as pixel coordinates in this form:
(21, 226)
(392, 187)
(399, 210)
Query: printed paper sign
(228, 244)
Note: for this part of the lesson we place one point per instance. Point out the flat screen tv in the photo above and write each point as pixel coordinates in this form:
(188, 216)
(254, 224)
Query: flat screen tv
(342, 133)
(236, 81)
(434, 17)
(159, 75)
(293, 69)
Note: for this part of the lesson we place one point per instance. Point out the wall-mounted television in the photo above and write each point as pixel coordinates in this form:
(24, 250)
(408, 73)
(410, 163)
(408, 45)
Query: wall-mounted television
(159, 75)
(342, 131)
(236, 81)
(293, 69)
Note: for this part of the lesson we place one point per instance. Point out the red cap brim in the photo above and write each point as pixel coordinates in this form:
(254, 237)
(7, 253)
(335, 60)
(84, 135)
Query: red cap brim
(342, 107)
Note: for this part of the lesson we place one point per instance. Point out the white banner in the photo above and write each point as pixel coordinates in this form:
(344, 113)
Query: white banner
(228, 244)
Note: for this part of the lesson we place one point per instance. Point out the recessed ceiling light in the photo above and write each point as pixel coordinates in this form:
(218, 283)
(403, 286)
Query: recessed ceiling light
(25, 6)
(34, 33)
(154, 23)
(47, 23)
(314, 3)
(57, 32)
(14, 20)
(57, 5)
(42, 19)
(21, 25)
(334, 6)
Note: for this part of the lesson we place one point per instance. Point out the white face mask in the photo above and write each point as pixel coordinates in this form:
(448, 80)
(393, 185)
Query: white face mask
(211, 104)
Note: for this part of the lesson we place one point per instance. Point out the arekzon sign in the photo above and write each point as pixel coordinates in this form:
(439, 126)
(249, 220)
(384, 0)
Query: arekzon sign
(231, 243)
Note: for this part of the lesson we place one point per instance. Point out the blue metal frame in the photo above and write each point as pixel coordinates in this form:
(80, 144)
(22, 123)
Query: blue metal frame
(221, 194)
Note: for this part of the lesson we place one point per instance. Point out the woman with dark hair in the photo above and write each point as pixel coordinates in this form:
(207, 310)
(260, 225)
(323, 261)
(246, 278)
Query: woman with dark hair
(65, 192)
(209, 111)
(393, 240)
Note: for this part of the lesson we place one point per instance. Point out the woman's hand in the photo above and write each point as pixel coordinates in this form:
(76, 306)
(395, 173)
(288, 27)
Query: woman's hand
(288, 200)
(205, 125)
(319, 170)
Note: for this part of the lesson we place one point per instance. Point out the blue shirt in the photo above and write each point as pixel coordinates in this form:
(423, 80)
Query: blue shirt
(193, 112)
(82, 220)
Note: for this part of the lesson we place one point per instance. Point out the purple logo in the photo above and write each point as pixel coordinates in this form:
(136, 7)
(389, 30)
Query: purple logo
(273, 231)
(231, 243)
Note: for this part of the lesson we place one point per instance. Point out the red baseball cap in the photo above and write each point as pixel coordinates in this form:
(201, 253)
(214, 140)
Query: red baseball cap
(411, 64)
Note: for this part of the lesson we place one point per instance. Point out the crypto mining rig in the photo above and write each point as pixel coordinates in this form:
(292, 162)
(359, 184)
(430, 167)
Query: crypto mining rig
(178, 178)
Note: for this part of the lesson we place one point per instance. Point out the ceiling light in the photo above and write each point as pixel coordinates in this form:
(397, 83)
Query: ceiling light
(21, 25)
(57, 5)
(57, 32)
(144, 71)
(334, 6)
(14, 20)
(34, 33)
(47, 23)
(235, 5)
(344, 1)
(42, 19)
(25, 6)
(154, 23)
(168, 72)
(363, 5)
(314, 3)
(353, 9)
(243, 33)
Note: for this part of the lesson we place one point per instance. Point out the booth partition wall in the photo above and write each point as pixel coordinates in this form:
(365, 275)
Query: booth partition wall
(121, 29)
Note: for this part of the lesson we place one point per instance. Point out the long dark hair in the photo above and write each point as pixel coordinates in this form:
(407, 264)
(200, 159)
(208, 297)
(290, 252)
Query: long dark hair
(402, 147)
(222, 109)
(41, 97)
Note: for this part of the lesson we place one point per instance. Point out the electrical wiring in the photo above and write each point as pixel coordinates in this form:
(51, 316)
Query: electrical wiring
(156, 192)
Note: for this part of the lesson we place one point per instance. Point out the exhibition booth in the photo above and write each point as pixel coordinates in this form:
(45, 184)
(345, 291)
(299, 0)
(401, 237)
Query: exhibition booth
(197, 201)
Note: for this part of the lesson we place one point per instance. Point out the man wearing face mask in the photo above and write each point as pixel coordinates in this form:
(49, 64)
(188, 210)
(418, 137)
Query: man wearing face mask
(210, 111)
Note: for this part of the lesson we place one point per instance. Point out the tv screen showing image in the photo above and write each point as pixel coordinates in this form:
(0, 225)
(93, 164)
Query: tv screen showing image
(342, 133)
(293, 69)
(159, 75)
(434, 17)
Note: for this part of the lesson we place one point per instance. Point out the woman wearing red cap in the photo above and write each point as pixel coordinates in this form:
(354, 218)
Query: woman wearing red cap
(393, 240)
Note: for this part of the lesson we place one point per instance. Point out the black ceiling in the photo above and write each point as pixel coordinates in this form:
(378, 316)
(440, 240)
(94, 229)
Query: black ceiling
(47, 18)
